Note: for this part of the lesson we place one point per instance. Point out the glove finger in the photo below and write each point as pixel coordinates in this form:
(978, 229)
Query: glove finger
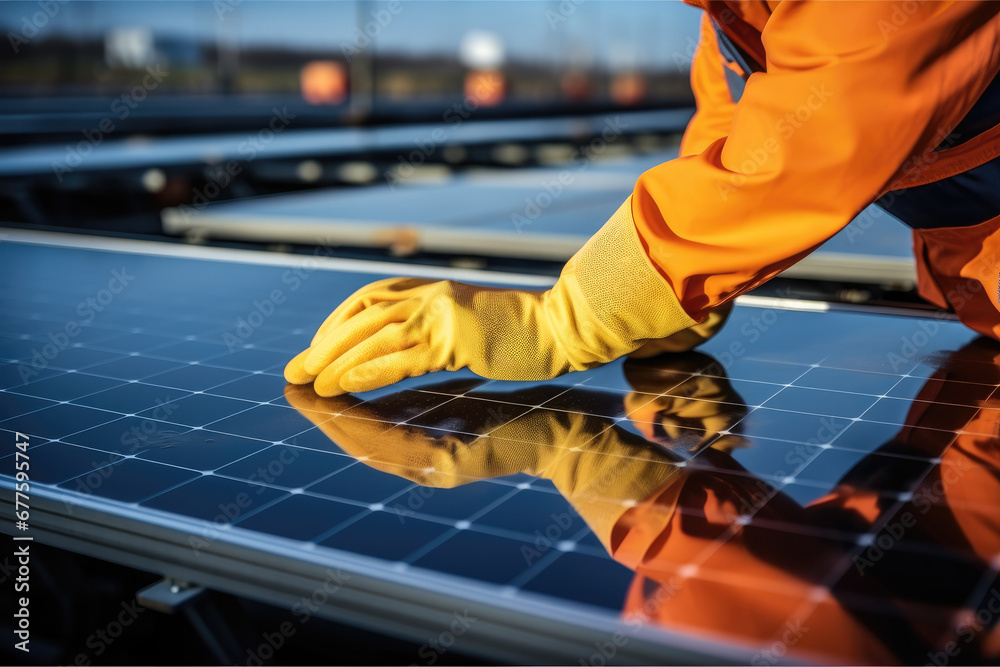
(384, 342)
(387, 369)
(315, 407)
(353, 332)
(295, 370)
(388, 290)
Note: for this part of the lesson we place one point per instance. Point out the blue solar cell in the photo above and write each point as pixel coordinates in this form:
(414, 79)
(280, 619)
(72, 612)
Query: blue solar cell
(57, 461)
(608, 581)
(215, 499)
(301, 517)
(534, 513)
(479, 556)
(202, 449)
(386, 535)
(198, 409)
(362, 484)
(851, 381)
(258, 387)
(135, 342)
(272, 422)
(79, 358)
(14, 405)
(190, 350)
(132, 368)
(821, 401)
(58, 420)
(457, 503)
(129, 435)
(290, 467)
(195, 378)
(67, 387)
(134, 397)
(803, 446)
(130, 480)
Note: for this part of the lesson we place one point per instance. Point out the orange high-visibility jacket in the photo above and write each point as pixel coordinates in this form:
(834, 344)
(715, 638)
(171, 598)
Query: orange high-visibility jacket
(843, 103)
(779, 584)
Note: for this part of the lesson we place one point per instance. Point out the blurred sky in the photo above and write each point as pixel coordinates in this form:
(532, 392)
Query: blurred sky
(615, 32)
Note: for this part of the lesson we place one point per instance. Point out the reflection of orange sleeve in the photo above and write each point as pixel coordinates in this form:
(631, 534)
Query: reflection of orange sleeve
(964, 490)
(714, 115)
(737, 596)
(970, 477)
(849, 95)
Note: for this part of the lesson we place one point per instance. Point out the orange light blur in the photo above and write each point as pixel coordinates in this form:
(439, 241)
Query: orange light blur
(487, 87)
(323, 82)
(628, 88)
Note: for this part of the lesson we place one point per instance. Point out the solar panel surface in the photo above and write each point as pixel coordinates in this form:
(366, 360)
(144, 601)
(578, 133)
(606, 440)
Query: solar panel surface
(541, 213)
(816, 484)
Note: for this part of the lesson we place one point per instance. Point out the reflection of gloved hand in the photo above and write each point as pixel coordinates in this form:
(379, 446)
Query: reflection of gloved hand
(689, 338)
(600, 468)
(425, 456)
(691, 409)
(608, 301)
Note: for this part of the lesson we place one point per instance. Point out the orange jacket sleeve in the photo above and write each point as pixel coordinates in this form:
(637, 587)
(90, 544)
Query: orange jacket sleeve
(854, 94)
(715, 106)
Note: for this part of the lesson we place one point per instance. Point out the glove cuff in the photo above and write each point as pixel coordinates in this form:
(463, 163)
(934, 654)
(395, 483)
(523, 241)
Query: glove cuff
(610, 298)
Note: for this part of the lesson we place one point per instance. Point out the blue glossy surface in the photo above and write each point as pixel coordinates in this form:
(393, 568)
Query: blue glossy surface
(756, 474)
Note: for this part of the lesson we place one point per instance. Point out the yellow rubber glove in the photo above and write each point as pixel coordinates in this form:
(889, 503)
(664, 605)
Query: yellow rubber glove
(689, 338)
(609, 300)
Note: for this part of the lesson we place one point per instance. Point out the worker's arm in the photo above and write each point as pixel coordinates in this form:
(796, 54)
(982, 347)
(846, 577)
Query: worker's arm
(712, 121)
(852, 96)
(713, 116)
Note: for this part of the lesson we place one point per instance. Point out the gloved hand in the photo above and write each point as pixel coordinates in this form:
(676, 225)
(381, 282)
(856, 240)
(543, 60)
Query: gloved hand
(609, 300)
(689, 338)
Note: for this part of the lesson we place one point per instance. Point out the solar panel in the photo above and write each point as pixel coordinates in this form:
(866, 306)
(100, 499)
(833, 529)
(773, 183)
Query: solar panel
(542, 213)
(335, 142)
(813, 486)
